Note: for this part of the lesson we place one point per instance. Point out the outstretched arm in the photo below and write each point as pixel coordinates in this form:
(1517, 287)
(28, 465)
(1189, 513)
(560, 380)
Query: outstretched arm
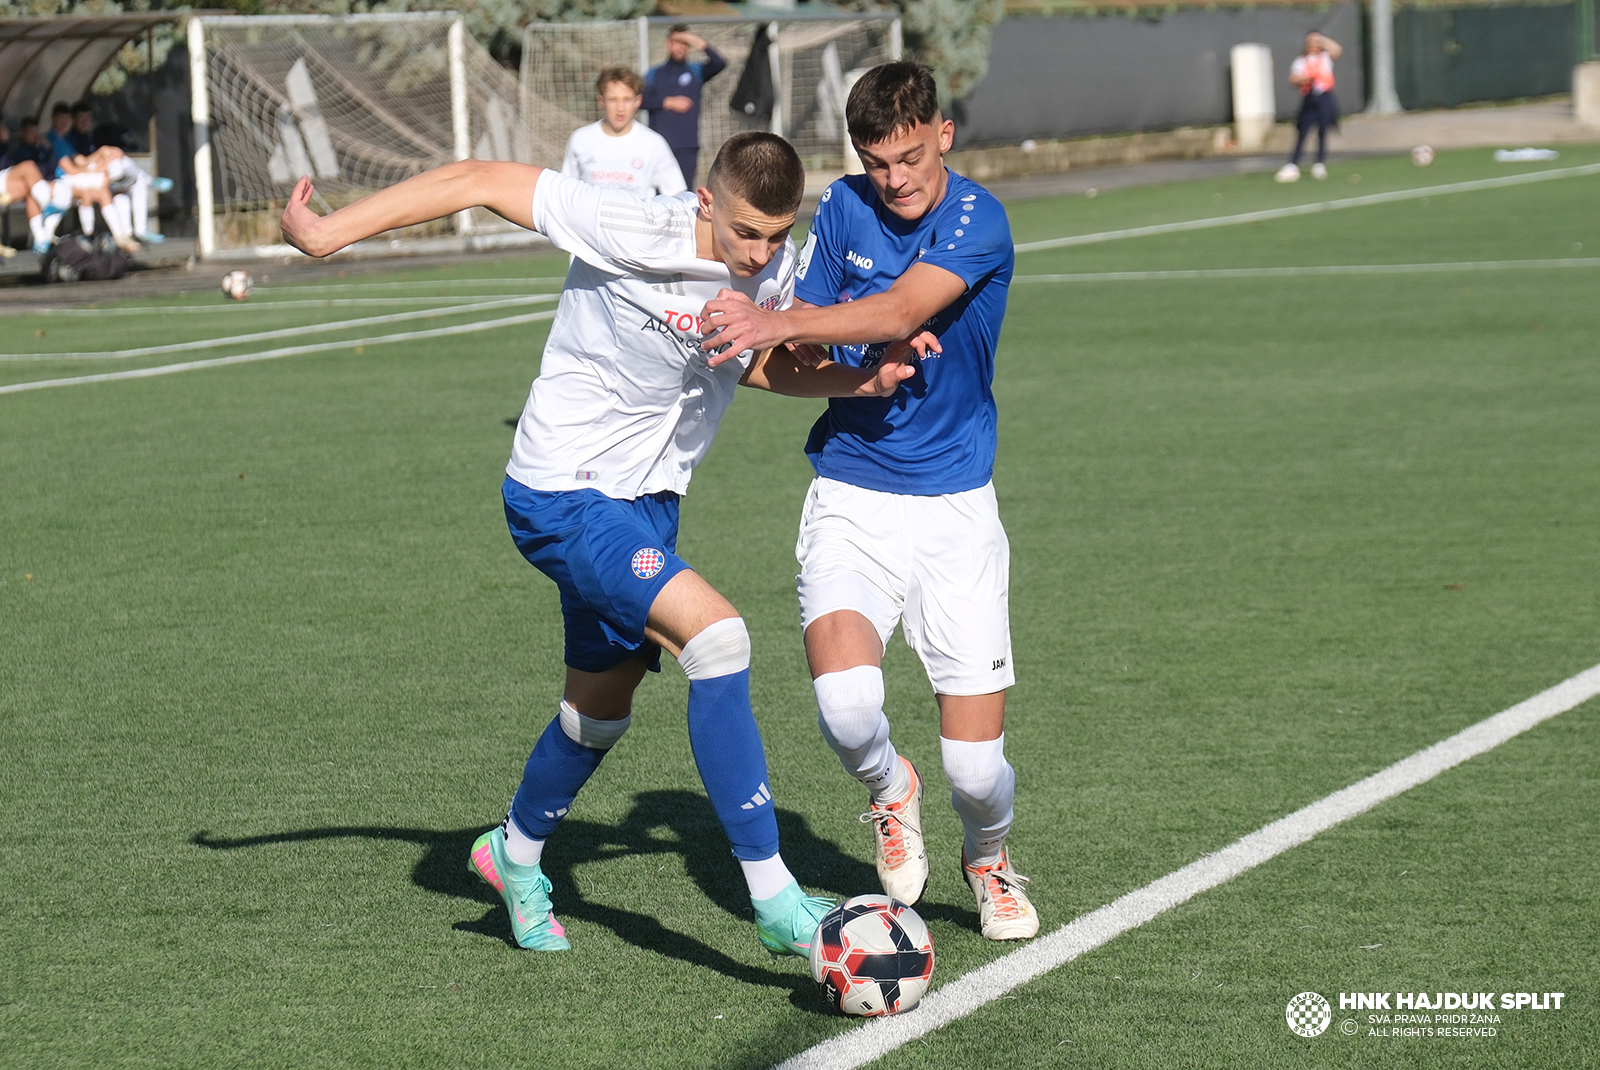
(785, 371)
(898, 312)
(506, 189)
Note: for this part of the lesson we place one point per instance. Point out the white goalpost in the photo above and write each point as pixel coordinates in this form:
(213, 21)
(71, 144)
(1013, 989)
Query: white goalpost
(357, 102)
(811, 61)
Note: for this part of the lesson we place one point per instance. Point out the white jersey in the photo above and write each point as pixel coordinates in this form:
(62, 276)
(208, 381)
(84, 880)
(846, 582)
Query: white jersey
(625, 402)
(639, 161)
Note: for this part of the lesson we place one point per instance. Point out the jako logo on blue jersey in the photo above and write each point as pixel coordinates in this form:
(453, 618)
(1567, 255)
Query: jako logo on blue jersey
(862, 262)
(648, 562)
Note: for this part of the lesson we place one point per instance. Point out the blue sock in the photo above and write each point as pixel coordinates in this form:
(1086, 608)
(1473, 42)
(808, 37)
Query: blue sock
(556, 769)
(733, 766)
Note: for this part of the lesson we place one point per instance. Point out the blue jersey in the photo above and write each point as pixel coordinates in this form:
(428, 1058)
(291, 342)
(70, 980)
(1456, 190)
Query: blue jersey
(937, 434)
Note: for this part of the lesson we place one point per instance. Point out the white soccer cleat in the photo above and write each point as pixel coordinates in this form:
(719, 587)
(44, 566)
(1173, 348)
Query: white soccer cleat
(1319, 171)
(1287, 173)
(1004, 911)
(897, 828)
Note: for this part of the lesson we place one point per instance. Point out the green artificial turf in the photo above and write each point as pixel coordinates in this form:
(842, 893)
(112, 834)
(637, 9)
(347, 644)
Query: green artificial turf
(271, 663)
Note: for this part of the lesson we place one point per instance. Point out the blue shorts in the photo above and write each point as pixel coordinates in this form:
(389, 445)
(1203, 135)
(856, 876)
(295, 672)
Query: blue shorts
(609, 557)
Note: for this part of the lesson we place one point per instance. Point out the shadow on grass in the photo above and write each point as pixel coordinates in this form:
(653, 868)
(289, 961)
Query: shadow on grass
(659, 823)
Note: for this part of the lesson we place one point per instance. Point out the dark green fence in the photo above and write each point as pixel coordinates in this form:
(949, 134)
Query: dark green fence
(1449, 56)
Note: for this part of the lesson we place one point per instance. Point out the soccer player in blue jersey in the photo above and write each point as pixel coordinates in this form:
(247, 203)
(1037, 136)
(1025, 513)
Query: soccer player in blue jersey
(900, 525)
(625, 405)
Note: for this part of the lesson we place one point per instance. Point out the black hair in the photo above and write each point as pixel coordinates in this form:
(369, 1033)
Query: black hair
(891, 99)
(60, 107)
(28, 120)
(81, 106)
(761, 169)
(678, 27)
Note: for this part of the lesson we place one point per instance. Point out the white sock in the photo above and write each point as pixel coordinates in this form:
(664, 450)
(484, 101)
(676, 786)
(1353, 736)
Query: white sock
(139, 202)
(41, 193)
(48, 227)
(521, 848)
(850, 714)
(118, 217)
(61, 194)
(767, 877)
(36, 228)
(982, 787)
(86, 218)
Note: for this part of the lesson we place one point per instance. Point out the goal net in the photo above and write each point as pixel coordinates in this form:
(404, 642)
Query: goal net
(810, 62)
(358, 103)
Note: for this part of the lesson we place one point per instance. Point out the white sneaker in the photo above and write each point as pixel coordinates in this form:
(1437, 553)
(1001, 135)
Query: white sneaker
(1004, 912)
(1287, 173)
(897, 827)
(1319, 171)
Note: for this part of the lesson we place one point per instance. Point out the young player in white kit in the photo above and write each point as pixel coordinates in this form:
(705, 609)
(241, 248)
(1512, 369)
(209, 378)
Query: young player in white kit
(617, 152)
(900, 525)
(625, 405)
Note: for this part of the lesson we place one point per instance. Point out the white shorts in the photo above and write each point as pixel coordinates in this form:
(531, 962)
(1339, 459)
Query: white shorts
(938, 565)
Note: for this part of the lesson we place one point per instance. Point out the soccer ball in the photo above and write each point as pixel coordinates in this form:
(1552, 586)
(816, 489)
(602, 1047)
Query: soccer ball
(1422, 155)
(236, 284)
(872, 955)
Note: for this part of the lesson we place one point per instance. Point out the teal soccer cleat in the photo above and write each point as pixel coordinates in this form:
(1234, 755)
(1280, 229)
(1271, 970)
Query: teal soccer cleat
(525, 889)
(786, 923)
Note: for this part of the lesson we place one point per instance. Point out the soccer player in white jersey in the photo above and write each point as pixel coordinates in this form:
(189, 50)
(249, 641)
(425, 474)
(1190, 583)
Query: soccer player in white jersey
(901, 524)
(617, 152)
(625, 405)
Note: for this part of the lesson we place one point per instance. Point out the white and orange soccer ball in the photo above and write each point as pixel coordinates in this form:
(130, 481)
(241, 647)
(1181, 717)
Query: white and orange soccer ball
(237, 284)
(873, 956)
(1422, 155)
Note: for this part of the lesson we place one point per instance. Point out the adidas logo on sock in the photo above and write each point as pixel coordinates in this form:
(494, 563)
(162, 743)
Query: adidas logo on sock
(760, 798)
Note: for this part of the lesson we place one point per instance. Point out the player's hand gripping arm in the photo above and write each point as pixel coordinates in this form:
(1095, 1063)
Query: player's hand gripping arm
(896, 313)
(797, 374)
(804, 370)
(506, 189)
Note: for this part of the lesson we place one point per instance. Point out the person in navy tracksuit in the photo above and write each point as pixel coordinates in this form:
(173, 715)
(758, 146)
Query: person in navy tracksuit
(672, 96)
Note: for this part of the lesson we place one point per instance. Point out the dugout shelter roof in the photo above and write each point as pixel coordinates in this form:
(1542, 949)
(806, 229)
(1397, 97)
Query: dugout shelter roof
(49, 59)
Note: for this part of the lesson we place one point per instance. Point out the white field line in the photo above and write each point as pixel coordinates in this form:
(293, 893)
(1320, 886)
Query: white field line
(283, 332)
(272, 354)
(260, 306)
(1310, 209)
(966, 994)
(1329, 269)
(411, 284)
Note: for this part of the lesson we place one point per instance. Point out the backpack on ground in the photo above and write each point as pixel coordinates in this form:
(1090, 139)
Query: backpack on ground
(76, 256)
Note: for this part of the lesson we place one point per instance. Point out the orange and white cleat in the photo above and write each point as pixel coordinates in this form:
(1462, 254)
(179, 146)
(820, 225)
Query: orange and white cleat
(897, 827)
(1004, 911)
